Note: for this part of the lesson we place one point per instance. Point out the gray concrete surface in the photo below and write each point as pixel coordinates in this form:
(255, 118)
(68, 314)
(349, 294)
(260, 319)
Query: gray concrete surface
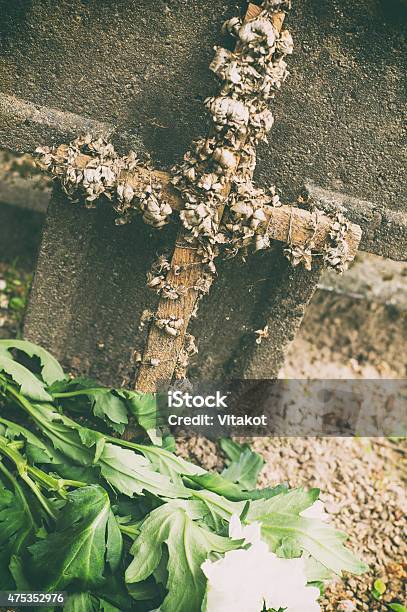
(384, 229)
(20, 235)
(89, 293)
(24, 193)
(372, 279)
(142, 67)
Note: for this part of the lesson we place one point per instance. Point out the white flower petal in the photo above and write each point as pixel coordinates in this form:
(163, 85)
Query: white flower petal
(246, 578)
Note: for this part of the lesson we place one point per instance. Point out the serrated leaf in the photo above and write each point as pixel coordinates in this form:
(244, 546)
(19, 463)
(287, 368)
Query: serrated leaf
(293, 501)
(85, 542)
(73, 384)
(82, 395)
(11, 431)
(218, 484)
(143, 407)
(109, 408)
(315, 571)
(87, 602)
(132, 474)
(64, 436)
(189, 544)
(280, 518)
(51, 369)
(244, 465)
(29, 384)
(168, 463)
(129, 472)
(217, 510)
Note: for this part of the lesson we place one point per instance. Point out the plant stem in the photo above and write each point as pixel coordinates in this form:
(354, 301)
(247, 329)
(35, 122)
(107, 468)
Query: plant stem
(17, 445)
(51, 483)
(23, 470)
(20, 494)
(130, 530)
(77, 393)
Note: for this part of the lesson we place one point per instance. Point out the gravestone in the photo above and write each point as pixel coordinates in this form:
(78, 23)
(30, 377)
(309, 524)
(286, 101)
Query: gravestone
(137, 71)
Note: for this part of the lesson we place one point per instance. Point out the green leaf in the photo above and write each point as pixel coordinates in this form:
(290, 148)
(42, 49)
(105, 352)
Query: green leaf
(397, 607)
(315, 571)
(143, 591)
(17, 571)
(17, 526)
(51, 370)
(86, 540)
(11, 431)
(232, 449)
(127, 471)
(319, 584)
(63, 433)
(280, 518)
(189, 544)
(266, 493)
(143, 407)
(217, 510)
(244, 464)
(289, 548)
(87, 602)
(218, 484)
(168, 463)
(30, 385)
(293, 501)
(132, 474)
(17, 303)
(81, 602)
(82, 395)
(67, 385)
(109, 408)
(379, 588)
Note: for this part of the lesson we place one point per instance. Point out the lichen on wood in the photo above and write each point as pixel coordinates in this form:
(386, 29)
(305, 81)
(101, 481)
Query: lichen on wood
(89, 169)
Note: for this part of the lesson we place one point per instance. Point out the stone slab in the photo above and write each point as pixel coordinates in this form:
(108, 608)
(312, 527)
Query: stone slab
(141, 67)
(89, 292)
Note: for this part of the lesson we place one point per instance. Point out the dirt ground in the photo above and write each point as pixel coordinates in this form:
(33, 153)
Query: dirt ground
(362, 480)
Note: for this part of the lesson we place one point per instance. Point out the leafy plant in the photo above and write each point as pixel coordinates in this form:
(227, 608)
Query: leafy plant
(379, 589)
(14, 291)
(244, 465)
(189, 543)
(127, 524)
(397, 607)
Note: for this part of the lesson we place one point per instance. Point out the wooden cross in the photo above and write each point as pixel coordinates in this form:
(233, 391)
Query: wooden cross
(163, 350)
(285, 223)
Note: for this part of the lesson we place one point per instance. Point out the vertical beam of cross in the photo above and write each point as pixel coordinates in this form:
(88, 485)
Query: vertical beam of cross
(162, 351)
